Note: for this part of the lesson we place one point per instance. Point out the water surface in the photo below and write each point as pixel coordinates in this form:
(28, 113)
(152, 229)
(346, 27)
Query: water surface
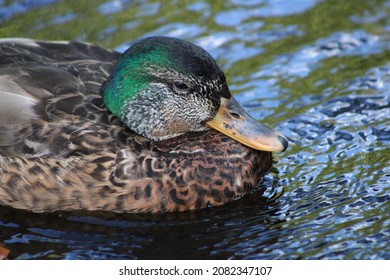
(318, 71)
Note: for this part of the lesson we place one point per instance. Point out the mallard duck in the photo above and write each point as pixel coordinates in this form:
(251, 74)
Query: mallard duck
(154, 129)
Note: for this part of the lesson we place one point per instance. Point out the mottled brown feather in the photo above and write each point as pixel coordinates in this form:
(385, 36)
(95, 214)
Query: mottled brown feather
(70, 153)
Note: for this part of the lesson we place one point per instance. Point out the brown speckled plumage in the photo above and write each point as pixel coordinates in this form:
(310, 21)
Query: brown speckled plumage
(68, 152)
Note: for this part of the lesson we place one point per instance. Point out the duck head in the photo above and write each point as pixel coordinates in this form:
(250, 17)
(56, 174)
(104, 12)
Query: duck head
(163, 87)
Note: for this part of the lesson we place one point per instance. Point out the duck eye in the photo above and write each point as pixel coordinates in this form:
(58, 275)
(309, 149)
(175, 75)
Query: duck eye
(181, 86)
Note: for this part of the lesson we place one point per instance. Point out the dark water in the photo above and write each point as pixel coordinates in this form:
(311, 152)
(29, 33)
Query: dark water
(318, 71)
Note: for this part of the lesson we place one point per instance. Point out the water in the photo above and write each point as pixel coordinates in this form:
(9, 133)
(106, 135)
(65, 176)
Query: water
(318, 71)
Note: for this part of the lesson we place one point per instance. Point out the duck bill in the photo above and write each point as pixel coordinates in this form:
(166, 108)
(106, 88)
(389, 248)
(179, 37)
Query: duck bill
(233, 121)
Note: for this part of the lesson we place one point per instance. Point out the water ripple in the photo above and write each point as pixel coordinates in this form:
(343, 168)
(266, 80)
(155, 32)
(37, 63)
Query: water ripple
(324, 84)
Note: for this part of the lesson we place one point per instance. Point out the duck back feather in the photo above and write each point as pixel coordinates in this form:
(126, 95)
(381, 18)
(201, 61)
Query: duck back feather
(50, 85)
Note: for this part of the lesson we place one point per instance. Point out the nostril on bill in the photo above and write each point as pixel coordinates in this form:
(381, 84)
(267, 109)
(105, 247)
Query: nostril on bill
(235, 115)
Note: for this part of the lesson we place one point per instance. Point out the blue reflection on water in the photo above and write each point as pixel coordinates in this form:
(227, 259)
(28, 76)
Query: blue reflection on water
(21, 6)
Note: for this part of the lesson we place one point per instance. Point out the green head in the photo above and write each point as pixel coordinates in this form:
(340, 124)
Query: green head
(163, 87)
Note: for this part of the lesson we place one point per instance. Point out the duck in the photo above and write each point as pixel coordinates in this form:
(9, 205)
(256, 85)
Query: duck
(151, 130)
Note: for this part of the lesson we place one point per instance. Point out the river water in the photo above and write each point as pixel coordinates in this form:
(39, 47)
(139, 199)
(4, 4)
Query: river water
(318, 71)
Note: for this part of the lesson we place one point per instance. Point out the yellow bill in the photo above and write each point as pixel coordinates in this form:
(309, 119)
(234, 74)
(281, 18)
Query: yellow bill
(233, 121)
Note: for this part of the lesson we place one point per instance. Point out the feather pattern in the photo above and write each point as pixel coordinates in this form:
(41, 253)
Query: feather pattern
(61, 149)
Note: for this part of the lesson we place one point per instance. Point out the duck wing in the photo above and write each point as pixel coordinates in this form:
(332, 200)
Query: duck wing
(48, 90)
